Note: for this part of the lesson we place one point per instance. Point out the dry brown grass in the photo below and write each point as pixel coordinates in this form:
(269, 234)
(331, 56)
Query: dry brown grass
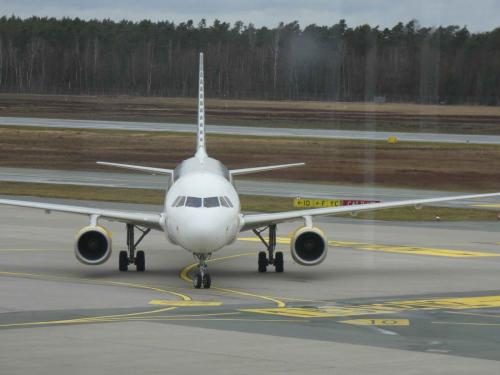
(332, 115)
(396, 108)
(424, 165)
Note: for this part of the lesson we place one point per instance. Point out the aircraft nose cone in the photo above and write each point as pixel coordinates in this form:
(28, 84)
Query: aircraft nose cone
(204, 235)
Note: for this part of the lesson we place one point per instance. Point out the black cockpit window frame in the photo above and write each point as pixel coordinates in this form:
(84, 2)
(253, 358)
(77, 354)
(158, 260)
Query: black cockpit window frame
(174, 204)
(223, 202)
(181, 202)
(228, 201)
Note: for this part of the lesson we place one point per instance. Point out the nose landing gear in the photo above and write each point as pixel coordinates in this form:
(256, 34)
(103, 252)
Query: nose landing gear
(201, 276)
(276, 259)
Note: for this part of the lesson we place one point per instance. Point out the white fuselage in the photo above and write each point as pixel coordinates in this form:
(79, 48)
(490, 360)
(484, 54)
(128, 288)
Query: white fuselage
(202, 208)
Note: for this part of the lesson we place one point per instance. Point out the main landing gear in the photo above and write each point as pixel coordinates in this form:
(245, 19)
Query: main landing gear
(201, 276)
(276, 259)
(131, 257)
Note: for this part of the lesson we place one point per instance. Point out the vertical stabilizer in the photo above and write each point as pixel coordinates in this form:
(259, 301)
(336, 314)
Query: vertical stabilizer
(200, 140)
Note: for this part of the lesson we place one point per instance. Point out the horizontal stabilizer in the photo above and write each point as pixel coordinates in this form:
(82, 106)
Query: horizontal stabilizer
(235, 172)
(138, 168)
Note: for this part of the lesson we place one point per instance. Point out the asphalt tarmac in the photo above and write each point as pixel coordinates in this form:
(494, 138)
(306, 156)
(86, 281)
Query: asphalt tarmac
(247, 187)
(391, 298)
(249, 131)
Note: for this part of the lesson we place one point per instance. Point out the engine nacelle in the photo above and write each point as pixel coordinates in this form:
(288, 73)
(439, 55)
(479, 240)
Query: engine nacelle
(93, 245)
(308, 246)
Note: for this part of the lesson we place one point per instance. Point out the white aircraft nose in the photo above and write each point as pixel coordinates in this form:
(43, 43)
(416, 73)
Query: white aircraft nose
(204, 233)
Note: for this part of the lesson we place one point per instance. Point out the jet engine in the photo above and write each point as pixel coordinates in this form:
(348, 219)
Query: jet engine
(93, 245)
(308, 246)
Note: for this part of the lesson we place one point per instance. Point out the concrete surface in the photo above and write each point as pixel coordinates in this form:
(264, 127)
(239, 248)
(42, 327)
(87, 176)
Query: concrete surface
(391, 298)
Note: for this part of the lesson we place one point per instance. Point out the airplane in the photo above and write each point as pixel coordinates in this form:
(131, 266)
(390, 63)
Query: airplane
(202, 214)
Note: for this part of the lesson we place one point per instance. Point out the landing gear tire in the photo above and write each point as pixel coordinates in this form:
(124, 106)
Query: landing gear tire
(201, 277)
(207, 281)
(123, 261)
(197, 280)
(263, 262)
(130, 256)
(140, 261)
(278, 262)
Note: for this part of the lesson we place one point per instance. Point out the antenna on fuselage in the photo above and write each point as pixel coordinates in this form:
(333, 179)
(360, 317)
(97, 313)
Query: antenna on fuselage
(200, 136)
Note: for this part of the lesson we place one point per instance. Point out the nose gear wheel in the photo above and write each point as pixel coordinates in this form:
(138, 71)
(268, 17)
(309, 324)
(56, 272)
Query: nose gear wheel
(201, 276)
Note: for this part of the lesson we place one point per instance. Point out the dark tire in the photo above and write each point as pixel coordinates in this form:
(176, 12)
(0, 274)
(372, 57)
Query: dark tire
(263, 262)
(207, 281)
(197, 281)
(140, 261)
(278, 262)
(123, 261)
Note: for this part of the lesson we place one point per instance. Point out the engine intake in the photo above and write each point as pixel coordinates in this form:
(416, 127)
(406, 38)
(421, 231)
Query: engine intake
(93, 245)
(309, 246)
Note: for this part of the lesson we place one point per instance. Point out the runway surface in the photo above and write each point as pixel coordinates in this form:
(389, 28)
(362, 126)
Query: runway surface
(247, 187)
(249, 131)
(391, 298)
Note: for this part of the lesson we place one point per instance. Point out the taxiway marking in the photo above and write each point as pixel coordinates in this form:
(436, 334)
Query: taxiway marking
(294, 312)
(411, 250)
(390, 307)
(184, 303)
(182, 296)
(184, 275)
(92, 319)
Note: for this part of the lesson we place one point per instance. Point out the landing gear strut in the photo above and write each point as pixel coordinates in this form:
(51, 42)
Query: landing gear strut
(131, 257)
(276, 259)
(201, 276)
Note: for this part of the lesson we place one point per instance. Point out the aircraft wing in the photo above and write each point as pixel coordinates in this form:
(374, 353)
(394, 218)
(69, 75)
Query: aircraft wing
(253, 221)
(139, 168)
(236, 172)
(149, 220)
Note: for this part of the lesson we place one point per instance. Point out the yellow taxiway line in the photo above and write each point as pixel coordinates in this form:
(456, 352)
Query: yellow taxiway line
(184, 303)
(182, 296)
(184, 275)
(390, 307)
(411, 250)
(90, 319)
(93, 319)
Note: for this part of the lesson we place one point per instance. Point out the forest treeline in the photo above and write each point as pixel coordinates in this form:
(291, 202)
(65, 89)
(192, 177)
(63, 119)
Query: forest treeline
(405, 63)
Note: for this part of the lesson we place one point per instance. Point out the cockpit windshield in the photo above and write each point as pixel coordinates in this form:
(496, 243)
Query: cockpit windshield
(193, 202)
(211, 202)
(208, 202)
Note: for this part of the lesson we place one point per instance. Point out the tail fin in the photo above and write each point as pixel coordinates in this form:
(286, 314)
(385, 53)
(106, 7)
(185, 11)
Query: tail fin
(200, 140)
